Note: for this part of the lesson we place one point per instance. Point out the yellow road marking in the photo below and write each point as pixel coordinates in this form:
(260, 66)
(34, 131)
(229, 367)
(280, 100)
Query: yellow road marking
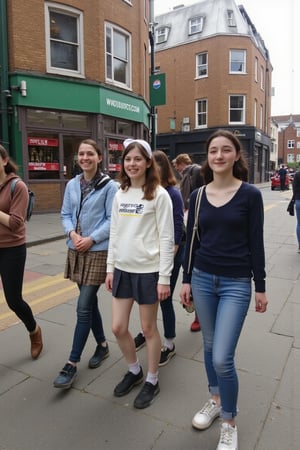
(41, 294)
(273, 205)
(41, 300)
(39, 284)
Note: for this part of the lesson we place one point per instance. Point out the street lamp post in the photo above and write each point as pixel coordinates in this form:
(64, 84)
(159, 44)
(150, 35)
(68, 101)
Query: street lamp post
(152, 70)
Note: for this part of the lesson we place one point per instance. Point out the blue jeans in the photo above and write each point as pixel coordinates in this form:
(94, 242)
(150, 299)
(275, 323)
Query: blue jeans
(222, 303)
(297, 208)
(88, 318)
(167, 308)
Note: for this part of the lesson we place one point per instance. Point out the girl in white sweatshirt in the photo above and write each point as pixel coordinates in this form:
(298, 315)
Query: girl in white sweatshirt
(139, 263)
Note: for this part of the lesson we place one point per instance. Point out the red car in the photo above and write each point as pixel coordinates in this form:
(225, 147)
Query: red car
(275, 182)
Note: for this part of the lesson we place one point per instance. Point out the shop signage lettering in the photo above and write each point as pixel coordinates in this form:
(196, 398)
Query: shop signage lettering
(122, 105)
(43, 141)
(114, 167)
(43, 166)
(115, 146)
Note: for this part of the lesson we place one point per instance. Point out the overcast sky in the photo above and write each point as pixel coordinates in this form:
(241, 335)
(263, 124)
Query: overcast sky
(275, 21)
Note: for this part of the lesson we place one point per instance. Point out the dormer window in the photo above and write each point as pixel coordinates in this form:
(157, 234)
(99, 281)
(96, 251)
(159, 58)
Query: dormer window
(196, 25)
(230, 18)
(162, 34)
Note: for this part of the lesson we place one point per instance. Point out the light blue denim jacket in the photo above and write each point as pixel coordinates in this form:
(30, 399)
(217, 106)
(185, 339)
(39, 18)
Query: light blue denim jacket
(94, 214)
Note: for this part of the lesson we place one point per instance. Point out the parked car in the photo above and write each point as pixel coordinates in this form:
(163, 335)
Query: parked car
(275, 181)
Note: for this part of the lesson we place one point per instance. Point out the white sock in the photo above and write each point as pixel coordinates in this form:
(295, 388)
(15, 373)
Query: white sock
(134, 368)
(169, 343)
(152, 378)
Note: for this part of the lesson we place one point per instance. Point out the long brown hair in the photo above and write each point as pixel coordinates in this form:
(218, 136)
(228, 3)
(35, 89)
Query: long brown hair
(152, 172)
(240, 167)
(167, 177)
(11, 166)
(93, 144)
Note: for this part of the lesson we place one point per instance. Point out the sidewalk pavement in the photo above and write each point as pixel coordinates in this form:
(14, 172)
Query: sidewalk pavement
(36, 416)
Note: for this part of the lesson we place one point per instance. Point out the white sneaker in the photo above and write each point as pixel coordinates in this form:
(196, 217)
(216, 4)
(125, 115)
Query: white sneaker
(205, 417)
(228, 438)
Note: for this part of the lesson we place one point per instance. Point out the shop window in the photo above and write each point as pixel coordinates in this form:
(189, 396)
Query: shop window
(43, 157)
(64, 40)
(76, 121)
(42, 118)
(109, 125)
(115, 150)
(126, 128)
(56, 119)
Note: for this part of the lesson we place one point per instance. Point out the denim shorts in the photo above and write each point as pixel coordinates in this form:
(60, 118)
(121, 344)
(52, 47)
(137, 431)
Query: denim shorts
(142, 287)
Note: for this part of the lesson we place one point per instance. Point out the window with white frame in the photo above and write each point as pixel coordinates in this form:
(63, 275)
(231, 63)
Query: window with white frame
(230, 18)
(291, 143)
(237, 104)
(201, 113)
(262, 78)
(290, 158)
(298, 158)
(255, 113)
(117, 50)
(261, 117)
(162, 34)
(298, 132)
(202, 65)
(196, 25)
(298, 144)
(237, 61)
(256, 69)
(64, 40)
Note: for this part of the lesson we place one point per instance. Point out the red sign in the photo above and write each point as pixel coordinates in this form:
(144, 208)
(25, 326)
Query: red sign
(40, 141)
(115, 145)
(114, 167)
(43, 166)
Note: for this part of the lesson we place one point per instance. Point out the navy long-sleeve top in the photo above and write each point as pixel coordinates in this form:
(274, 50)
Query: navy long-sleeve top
(231, 237)
(178, 214)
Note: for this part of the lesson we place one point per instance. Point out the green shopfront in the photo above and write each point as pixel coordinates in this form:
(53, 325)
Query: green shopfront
(48, 123)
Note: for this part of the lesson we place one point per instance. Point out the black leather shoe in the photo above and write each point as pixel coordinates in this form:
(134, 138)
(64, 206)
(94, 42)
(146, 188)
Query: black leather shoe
(146, 395)
(129, 381)
(100, 354)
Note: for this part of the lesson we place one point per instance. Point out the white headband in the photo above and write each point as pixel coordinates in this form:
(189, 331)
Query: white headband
(143, 143)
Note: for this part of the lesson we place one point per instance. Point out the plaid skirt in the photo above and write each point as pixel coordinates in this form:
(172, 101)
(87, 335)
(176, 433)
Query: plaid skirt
(87, 268)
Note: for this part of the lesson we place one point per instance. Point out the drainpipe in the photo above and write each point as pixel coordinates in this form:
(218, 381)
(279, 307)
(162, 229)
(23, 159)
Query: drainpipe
(4, 85)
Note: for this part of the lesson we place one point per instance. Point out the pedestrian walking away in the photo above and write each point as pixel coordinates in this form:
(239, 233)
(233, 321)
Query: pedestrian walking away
(86, 213)
(168, 181)
(227, 255)
(13, 210)
(191, 179)
(296, 197)
(282, 172)
(139, 263)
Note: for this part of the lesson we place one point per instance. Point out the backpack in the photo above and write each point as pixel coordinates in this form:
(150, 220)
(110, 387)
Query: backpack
(30, 198)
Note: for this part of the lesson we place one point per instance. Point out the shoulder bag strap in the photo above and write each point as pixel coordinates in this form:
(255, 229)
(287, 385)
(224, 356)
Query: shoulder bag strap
(195, 227)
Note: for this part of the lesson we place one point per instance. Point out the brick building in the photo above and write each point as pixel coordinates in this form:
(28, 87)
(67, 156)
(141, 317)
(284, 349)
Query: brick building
(288, 139)
(218, 75)
(71, 70)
